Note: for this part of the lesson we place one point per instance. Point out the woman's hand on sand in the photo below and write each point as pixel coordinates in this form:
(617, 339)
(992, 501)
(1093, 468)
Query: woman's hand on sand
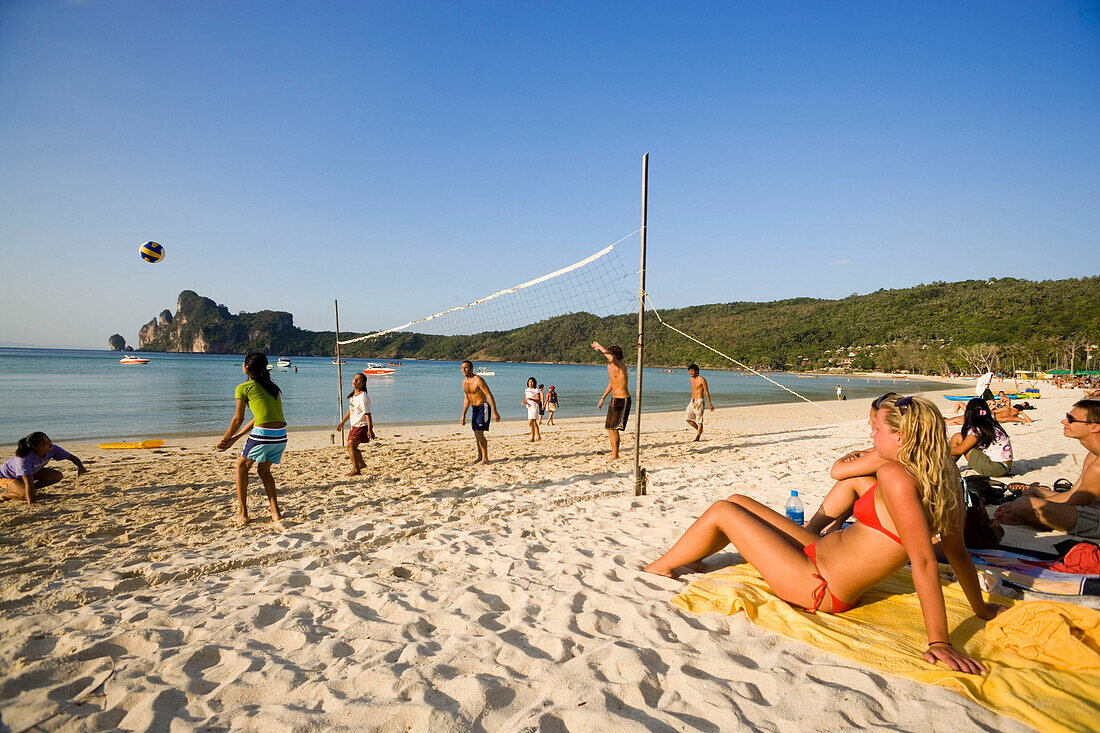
(224, 443)
(991, 611)
(80, 470)
(954, 659)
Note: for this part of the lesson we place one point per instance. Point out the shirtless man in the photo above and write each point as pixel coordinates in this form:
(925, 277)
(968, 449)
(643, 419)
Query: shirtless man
(694, 413)
(619, 408)
(476, 394)
(1076, 511)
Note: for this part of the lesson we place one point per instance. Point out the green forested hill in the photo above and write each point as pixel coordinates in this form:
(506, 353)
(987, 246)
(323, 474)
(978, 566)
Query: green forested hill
(937, 328)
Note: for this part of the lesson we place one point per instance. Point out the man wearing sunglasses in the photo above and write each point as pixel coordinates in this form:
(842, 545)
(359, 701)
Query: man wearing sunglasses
(1076, 511)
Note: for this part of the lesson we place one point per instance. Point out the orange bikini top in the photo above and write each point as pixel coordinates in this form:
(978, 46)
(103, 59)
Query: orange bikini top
(864, 513)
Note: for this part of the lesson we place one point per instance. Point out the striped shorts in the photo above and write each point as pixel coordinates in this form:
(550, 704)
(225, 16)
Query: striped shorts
(265, 445)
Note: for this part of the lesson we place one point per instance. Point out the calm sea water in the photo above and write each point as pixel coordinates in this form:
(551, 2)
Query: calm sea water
(78, 395)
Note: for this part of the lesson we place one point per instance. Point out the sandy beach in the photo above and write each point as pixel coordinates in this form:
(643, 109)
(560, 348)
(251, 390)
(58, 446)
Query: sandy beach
(430, 594)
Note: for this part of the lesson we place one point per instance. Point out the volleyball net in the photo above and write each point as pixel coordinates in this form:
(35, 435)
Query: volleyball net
(598, 284)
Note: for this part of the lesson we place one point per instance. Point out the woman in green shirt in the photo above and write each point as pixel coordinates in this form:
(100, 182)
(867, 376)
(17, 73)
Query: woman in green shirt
(266, 433)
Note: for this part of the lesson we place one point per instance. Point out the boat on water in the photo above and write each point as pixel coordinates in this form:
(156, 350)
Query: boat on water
(377, 370)
(483, 372)
(131, 359)
(283, 362)
(342, 361)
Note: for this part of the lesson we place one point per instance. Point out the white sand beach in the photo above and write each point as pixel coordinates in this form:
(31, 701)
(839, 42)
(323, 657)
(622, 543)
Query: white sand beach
(432, 595)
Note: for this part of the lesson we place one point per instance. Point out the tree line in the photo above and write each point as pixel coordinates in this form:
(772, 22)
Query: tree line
(1000, 325)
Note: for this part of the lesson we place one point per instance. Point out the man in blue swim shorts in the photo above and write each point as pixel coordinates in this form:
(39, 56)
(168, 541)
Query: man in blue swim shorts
(476, 394)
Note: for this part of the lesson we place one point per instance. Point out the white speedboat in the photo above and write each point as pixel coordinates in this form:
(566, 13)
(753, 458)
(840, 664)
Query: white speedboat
(131, 359)
(377, 370)
(283, 362)
(483, 372)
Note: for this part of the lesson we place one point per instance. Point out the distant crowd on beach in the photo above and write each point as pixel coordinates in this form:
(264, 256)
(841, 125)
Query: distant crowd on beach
(905, 494)
(22, 476)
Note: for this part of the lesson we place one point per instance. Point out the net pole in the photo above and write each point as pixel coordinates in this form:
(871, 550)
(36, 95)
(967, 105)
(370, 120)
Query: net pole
(339, 374)
(639, 472)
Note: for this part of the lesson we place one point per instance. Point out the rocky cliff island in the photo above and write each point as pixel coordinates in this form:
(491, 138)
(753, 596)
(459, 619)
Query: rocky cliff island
(202, 326)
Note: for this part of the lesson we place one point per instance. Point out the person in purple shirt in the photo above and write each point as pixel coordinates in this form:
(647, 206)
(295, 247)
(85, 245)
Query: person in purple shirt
(24, 475)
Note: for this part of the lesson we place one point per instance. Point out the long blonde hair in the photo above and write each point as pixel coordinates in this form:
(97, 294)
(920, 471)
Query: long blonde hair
(926, 455)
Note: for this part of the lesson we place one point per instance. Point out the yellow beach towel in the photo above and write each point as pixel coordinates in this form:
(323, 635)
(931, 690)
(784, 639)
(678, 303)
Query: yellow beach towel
(1043, 657)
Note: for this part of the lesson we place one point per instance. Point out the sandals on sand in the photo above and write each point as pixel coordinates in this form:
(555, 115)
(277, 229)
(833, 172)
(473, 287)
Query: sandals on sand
(1061, 485)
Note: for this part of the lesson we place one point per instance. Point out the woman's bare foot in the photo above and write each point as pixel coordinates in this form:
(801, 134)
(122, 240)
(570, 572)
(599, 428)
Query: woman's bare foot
(353, 472)
(657, 569)
(240, 520)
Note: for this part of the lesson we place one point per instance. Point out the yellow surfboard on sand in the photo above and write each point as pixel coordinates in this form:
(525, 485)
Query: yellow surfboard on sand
(123, 446)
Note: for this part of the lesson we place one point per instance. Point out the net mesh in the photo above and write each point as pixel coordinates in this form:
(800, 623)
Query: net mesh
(599, 285)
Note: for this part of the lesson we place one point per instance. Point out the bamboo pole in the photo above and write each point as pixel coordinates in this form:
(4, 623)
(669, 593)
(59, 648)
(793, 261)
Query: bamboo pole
(339, 374)
(639, 472)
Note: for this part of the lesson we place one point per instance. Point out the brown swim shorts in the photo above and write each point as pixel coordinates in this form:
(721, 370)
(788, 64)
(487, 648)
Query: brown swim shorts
(617, 413)
(359, 434)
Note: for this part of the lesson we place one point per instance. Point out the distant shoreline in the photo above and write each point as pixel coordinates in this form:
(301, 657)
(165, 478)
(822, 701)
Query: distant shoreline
(861, 374)
(314, 434)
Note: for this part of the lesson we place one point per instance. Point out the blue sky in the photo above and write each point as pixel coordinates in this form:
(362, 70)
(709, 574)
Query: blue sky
(406, 157)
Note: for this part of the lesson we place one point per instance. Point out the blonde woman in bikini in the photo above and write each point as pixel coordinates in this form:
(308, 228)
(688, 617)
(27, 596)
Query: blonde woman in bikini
(917, 495)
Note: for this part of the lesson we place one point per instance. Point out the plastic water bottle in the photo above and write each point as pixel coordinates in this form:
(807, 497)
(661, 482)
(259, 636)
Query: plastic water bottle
(795, 512)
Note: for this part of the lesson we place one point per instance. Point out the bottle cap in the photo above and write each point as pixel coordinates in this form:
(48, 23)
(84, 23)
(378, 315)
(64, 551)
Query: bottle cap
(794, 492)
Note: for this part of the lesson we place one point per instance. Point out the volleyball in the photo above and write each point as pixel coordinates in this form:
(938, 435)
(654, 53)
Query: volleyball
(152, 252)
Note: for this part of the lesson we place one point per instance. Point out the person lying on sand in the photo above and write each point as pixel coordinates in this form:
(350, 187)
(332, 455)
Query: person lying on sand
(917, 494)
(1012, 413)
(21, 477)
(1076, 511)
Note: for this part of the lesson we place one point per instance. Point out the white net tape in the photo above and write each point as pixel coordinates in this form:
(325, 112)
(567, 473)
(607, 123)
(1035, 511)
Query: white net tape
(597, 285)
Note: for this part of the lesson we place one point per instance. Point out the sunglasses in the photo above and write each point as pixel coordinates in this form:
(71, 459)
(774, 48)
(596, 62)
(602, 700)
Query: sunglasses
(1071, 419)
(877, 402)
(903, 404)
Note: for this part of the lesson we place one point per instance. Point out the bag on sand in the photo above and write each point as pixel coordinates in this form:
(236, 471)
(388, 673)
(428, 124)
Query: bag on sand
(990, 491)
(980, 531)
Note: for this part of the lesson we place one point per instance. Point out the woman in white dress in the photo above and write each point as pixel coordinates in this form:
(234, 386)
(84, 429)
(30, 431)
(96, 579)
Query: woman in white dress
(532, 400)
